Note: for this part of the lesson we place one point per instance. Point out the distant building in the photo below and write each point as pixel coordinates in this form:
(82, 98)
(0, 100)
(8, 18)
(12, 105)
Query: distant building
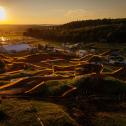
(15, 48)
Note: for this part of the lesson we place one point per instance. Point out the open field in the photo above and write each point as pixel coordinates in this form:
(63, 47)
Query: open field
(62, 62)
(50, 89)
(55, 86)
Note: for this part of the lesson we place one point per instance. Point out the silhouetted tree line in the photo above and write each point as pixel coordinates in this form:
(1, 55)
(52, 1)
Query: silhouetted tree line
(107, 30)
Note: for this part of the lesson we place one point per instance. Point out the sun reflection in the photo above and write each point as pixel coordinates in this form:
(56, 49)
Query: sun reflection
(3, 40)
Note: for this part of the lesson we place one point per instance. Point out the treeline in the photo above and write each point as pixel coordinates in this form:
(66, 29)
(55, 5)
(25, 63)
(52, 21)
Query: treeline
(107, 30)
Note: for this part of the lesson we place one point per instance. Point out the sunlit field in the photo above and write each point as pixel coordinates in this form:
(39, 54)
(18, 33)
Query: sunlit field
(62, 63)
(50, 77)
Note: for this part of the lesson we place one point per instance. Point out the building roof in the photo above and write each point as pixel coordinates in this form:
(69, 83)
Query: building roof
(16, 47)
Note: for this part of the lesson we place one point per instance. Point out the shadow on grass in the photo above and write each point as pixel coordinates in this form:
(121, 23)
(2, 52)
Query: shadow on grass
(3, 116)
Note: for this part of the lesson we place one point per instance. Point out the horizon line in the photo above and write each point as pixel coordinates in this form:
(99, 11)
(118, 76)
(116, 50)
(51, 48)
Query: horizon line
(61, 23)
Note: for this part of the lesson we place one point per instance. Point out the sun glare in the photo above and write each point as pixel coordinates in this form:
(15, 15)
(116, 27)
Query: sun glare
(2, 14)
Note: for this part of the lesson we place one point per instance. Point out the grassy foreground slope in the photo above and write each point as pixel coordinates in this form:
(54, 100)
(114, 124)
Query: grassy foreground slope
(85, 85)
(26, 113)
(95, 101)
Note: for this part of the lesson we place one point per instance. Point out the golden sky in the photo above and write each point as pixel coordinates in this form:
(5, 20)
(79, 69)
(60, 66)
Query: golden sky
(59, 11)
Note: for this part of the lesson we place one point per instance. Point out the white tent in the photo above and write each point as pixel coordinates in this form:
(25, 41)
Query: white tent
(16, 47)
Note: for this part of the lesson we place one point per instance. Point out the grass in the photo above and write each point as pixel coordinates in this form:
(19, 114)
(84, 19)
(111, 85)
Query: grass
(19, 112)
(86, 85)
(107, 69)
(110, 119)
(13, 76)
(52, 88)
(106, 86)
(22, 113)
(19, 75)
(3, 82)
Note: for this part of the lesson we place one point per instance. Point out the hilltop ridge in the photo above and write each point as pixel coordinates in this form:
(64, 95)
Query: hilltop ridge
(100, 30)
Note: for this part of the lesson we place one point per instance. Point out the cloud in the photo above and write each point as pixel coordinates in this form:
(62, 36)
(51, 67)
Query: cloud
(76, 14)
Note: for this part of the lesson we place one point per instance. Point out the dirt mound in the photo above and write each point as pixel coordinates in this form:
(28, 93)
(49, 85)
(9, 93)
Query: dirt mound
(89, 68)
(94, 85)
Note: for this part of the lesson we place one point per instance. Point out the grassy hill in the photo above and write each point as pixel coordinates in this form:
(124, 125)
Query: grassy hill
(33, 95)
(81, 107)
(106, 30)
(15, 112)
(85, 86)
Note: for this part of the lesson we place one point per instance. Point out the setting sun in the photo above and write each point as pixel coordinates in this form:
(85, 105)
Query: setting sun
(63, 62)
(2, 14)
